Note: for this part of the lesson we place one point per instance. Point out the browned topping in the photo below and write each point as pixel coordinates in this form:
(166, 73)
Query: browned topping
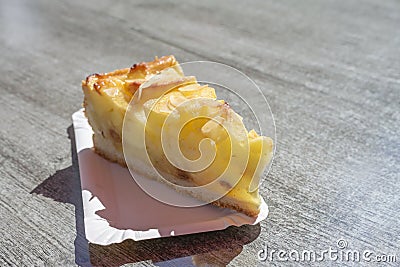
(140, 70)
(97, 87)
(131, 86)
(132, 78)
(119, 72)
(115, 73)
(91, 76)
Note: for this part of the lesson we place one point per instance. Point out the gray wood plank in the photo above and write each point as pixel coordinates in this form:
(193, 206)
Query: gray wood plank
(330, 71)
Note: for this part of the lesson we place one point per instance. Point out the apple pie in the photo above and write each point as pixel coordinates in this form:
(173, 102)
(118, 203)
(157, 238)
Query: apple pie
(178, 126)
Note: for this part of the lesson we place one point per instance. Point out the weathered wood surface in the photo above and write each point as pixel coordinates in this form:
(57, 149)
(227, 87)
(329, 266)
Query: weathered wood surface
(331, 73)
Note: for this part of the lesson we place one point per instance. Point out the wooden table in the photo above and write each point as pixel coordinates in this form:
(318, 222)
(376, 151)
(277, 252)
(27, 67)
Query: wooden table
(331, 73)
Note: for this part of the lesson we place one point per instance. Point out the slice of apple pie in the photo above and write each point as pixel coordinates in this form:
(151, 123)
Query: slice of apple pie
(179, 127)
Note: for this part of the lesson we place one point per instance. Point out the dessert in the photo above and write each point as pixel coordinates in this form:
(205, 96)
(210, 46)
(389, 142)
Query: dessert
(179, 127)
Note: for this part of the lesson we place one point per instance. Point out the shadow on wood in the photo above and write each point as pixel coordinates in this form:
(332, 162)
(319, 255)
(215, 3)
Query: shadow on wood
(64, 186)
(204, 249)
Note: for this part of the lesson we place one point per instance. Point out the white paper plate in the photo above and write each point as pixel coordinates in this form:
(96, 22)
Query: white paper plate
(115, 208)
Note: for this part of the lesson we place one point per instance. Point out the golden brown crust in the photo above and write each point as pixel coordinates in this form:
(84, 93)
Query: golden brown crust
(132, 77)
(101, 76)
(137, 71)
(236, 207)
(120, 72)
(142, 69)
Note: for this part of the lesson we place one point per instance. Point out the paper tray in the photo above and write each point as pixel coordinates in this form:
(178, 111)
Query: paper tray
(116, 208)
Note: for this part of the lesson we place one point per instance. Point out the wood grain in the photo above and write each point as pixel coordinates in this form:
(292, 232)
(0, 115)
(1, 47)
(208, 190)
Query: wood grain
(331, 73)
